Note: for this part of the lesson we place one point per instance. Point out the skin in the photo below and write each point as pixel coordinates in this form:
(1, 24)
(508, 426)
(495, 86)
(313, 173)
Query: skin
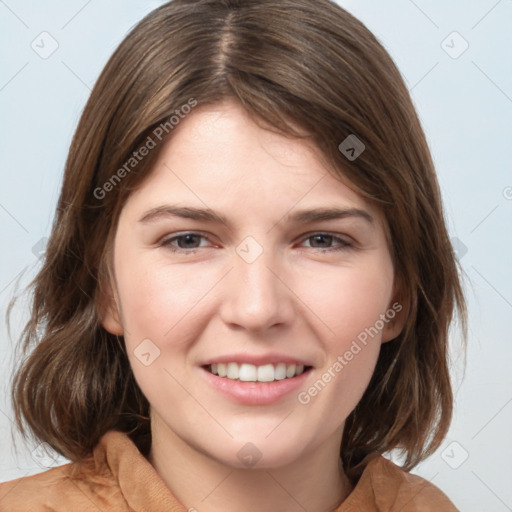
(205, 301)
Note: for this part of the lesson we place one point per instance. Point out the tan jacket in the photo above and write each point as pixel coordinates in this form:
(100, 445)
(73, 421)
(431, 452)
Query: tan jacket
(118, 478)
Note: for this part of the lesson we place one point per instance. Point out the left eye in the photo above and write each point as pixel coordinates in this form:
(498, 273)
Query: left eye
(189, 242)
(326, 238)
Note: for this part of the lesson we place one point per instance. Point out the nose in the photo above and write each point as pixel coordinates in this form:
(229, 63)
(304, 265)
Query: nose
(257, 296)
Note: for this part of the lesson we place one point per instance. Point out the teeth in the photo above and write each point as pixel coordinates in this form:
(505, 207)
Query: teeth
(247, 372)
(250, 373)
(233, 372)
(266, 373)
(221, 370)
(280, 372)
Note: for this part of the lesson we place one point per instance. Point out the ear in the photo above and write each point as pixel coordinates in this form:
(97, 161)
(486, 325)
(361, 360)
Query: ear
(396, 315)
(109, 311)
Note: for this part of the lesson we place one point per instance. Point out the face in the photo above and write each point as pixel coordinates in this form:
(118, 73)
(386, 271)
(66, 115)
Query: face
(253, 290)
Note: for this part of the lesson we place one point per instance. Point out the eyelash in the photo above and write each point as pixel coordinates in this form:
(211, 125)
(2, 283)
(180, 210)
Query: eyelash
(344, 244)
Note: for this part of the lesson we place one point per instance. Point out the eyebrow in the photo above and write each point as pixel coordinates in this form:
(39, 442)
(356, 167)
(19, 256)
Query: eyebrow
(208, 215)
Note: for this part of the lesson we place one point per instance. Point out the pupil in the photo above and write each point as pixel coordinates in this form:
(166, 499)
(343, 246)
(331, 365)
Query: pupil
(186, 239)
(317, 237)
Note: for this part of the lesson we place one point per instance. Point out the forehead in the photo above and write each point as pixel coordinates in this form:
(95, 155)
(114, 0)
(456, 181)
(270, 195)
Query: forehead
(219, 158)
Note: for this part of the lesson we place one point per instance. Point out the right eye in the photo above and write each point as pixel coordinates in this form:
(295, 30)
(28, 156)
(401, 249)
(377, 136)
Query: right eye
(185, 242)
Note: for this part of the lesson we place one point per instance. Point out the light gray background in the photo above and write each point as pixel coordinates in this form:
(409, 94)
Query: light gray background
(464, 99)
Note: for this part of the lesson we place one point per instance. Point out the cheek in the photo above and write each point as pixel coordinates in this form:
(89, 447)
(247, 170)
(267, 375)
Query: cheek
(348, 301)
(157, 299)
(160, 318)
(162, 301)
(350, 304)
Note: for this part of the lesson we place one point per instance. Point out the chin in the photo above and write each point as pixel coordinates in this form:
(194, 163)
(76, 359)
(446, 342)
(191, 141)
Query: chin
(260, 453)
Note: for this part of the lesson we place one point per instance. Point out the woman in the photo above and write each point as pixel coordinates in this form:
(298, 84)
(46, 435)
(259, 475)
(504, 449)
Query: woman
(247, 291)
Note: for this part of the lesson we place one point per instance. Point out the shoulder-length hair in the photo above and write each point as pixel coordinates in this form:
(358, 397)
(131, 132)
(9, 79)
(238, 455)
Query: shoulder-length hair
(289, 63)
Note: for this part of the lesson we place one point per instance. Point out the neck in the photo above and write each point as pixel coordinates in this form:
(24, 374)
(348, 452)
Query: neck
(315, 481)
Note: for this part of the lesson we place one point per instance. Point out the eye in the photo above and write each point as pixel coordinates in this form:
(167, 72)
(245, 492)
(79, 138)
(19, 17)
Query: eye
(324, 241)
(191, 241)
(186, 242)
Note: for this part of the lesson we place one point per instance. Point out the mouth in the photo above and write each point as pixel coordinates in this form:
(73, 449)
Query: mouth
(246, 372)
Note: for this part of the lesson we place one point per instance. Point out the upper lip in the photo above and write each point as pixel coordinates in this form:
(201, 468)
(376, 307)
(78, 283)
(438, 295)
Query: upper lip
(257, 359)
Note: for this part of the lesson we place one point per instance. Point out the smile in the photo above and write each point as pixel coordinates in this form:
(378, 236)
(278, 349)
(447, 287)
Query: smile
(246, 372)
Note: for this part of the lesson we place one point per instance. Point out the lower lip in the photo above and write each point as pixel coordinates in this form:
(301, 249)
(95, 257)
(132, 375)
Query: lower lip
(255, 393)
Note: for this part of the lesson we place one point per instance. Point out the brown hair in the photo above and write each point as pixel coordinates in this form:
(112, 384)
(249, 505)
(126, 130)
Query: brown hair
(290, 63)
